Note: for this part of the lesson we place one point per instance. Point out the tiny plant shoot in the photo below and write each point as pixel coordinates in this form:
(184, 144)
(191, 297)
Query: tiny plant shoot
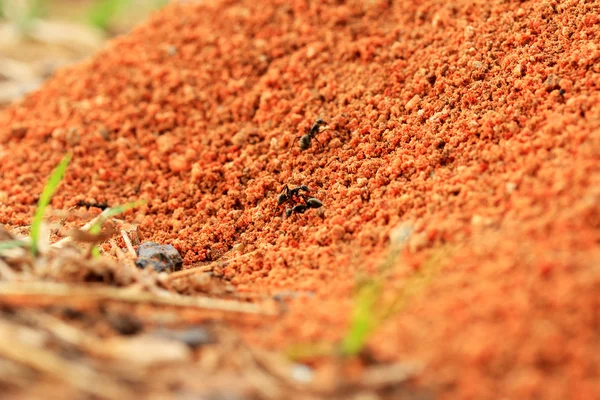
(49, 189)
(107, 214)
(11, 244)
(364, 318)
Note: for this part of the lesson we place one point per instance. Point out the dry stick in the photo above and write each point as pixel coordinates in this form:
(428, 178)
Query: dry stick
(65, 332)
(6, 272)
(55, 291)
(77, 375)
(204, 268)
(122, 257)
(262, 381)
(276, 365)
(62, 242)
(118, 252)
(191, 271)
(128, 244)
(78, 338)
(382, 376)
(15, 374)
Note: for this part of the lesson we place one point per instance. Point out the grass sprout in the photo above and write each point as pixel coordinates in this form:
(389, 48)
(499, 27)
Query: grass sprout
(371, 309)
(364, 317)
(49, 189)
(23, 13)
(106, 215)
(374, 305)
(102, 12)
(12, 244)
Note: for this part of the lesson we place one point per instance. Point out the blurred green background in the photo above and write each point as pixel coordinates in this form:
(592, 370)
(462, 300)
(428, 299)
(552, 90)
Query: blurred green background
(112, 16)
(39, 36)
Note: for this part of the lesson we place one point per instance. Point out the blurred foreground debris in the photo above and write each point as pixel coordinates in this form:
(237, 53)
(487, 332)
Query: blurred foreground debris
(29, 57)
(107, 329)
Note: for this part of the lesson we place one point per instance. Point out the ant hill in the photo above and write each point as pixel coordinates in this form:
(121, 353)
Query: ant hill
(460, 142)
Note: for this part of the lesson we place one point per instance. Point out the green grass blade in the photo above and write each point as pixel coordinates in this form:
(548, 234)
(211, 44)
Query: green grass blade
(113, 212)
(103, 11)
(24, 17)
(37, 8)
(44, 201)
(159, 4)
(11, 244)
(370, 311)
(364, 320)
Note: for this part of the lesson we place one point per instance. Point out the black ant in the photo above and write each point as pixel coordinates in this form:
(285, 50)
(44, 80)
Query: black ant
(88, 204)
(301, 208)
(293, 194)
(314, 203)
(306, 139)
(287, 194)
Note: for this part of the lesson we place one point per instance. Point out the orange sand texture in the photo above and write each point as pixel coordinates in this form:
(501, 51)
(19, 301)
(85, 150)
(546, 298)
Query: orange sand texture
(468, 132)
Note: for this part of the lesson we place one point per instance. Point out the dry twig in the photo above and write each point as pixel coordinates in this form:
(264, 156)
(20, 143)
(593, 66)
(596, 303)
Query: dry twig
(205, 268)
(83, 378)
(42, 293)
(128, 244)
(103, 215)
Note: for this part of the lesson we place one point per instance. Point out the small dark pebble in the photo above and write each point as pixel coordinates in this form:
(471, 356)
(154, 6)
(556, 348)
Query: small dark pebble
(124, 324)
(161, 257)
(71, 313)
(552, 83)
(193, 337)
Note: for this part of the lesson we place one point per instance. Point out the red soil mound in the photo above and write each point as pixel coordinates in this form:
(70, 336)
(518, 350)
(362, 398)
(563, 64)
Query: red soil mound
(475, 126)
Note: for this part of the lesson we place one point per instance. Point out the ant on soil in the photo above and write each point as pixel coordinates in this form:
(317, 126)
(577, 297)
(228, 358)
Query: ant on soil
(288, 194)
(301, 208)
(88, 204)
(306, 139)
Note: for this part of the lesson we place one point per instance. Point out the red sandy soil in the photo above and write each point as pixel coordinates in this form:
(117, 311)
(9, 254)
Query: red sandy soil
(475, 126)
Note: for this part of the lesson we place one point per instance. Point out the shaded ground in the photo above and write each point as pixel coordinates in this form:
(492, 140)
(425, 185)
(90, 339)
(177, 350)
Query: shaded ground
(468, 134)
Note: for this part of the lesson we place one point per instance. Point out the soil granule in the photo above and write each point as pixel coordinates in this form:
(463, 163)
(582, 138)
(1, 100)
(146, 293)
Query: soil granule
(466, 132)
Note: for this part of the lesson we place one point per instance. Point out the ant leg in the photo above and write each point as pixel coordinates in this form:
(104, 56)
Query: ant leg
(293, 142)
(326, 129)
(320, 144)
(304, 197)
(315, 137)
